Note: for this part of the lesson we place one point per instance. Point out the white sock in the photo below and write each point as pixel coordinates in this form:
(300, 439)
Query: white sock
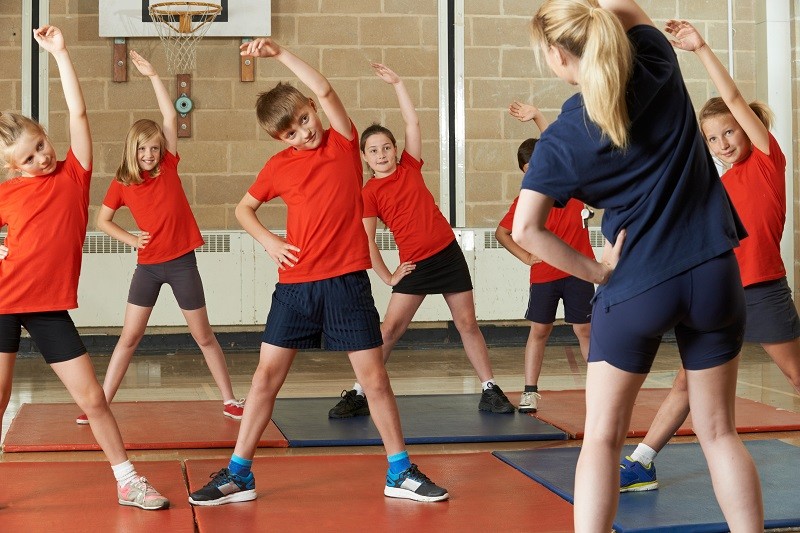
(644, 454)
(358, 389)
(485, 385)
(124, 472)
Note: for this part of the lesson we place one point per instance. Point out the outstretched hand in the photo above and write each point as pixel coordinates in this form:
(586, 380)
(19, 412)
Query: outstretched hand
(522, 112)
(142, 65)
(686, 36)
(50, 38)
(261, 47)
(385, 73)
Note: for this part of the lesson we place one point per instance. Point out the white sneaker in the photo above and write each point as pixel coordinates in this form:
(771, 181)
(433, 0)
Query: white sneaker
(529, 402)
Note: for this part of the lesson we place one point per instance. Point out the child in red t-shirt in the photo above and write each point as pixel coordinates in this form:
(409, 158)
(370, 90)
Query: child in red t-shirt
(44, 203)
(548, 284)
(431, 261)
(147, 182)
(323, 288)
(738, 134)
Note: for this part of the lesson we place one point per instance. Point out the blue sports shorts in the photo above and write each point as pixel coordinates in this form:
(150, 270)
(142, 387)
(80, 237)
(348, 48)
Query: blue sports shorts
(576, 293)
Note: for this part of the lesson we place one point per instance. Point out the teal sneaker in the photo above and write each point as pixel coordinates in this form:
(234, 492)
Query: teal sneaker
(635, 477)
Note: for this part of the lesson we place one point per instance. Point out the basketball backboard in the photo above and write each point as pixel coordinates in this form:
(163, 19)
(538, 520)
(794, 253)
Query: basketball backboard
(239, 18)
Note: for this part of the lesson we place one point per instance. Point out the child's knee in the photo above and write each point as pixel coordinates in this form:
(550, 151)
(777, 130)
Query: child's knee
(541, 332)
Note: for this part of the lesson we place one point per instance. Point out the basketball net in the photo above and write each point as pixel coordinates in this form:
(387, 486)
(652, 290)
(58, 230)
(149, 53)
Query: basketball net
(180, 26)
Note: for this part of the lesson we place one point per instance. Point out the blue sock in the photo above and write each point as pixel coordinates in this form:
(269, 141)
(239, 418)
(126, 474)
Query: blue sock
(399, 462)
(239, 466)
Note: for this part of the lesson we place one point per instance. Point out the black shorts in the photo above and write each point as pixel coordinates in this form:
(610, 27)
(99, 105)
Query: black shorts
(705, 305)
(576, 293)
(444, 272)
(53, 332)
(180, 274)
(771, 314)
(341, 309)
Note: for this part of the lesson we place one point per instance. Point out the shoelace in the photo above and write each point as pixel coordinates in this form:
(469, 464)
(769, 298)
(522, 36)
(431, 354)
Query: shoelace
(414, 473)
(349, 399)
(221, 475)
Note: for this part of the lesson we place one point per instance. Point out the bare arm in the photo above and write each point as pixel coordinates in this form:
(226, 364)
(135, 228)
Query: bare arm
(80, 138)
(311, 77)
(503, 236)
(686, 37)
(168, 113)
(413, 137)
(105, 223)
(530, 233)
(278, 249)
(525, 112)
(378, 264)
(628, 12)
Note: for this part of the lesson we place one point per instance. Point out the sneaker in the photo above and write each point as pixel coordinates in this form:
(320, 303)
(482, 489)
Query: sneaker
(529, 402)
(635, 477)
(411, 484)
(225, 487)
(351, 404)
(494, 400)
(140, 493)
(82, 420)
(233, 409)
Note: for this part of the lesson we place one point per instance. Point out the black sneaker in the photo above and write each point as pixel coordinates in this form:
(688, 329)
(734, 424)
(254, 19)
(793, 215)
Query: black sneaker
(494, 400)
(225, 487)
(350, 405)
(411, 484)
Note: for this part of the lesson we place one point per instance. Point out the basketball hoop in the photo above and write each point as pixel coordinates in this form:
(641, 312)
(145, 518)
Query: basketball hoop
(180, 26)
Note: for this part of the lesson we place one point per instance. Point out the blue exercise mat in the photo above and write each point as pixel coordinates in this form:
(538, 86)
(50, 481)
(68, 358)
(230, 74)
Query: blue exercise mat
(426, 419)
(685, 500)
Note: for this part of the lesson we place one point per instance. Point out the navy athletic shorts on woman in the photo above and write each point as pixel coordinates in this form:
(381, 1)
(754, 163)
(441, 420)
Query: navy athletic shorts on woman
(53, 332)
(705, 305)
(340, 309)
(771, 314)
(180, 274)
(444, 272)
(576, 293)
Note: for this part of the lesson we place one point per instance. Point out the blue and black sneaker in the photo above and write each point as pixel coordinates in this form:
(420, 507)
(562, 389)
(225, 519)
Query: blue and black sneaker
(411, 484)
(225, 487)
(635, 477)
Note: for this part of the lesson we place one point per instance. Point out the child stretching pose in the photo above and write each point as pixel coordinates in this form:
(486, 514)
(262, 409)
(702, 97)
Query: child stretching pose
(738, 134)
(44, 203)
(147, 177)
(324, 288)
(548, 284)
(431, 262)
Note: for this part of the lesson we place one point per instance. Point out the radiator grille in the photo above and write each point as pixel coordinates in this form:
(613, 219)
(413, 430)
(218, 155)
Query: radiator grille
(490, 242)
(385, 240)
(216, 242)
(99, 243)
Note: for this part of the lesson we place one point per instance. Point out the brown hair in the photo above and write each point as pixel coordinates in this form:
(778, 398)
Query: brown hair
(277, 107)
(716, 106)
(374, 129)
(525, 151)
(12, 126)
(142, 131)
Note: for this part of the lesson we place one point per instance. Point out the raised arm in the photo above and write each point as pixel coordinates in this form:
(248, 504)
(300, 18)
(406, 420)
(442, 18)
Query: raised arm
(311, 77)
(627, 11)
(413, 137)
(168, 113)
(686, 37)
(278, 249)
(80, 138)
(525, 112)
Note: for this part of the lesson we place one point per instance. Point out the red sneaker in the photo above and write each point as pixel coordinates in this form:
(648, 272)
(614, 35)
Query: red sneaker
(82, 420)
(233, 409)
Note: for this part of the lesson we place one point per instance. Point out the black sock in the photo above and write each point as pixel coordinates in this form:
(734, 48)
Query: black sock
(531, 388)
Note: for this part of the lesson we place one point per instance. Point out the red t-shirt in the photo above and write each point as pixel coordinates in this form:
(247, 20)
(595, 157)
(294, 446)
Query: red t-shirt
(567, 225)
(408, 209)
(46, 218)
(159, 207)
(322, 192)
(758, 192)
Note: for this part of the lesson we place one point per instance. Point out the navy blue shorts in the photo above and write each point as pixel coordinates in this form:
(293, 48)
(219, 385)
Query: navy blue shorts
(341, 309)
(180, 274)
(576, 293)
(53, 332)
(705, 305)
(771, 314)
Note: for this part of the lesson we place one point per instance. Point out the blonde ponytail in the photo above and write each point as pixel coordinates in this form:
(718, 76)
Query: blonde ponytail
(597, 38)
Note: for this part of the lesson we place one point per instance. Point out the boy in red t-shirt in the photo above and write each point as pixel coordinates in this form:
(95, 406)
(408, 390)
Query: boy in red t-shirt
(324, 289)
(548, 284)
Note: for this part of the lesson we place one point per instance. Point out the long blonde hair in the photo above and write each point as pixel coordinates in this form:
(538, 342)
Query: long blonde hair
(142, 131)
(597, 38)
(12, 126)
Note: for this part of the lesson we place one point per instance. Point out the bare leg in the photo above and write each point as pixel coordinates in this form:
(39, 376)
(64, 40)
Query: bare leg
(583, 331)
(610, 394)
(534, 351)
(671, 414)
(712, 394)
(399, 313)
(371, 374)
(79, 379)
(462, 307)
(7, 361)
(133, 329)
(273, 366)
(199, 327)
(787, 356)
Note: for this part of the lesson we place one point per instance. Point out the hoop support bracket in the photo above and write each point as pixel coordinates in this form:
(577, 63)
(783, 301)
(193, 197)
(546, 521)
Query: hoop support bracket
(120, 59)
(183, 104)
(247, 65)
